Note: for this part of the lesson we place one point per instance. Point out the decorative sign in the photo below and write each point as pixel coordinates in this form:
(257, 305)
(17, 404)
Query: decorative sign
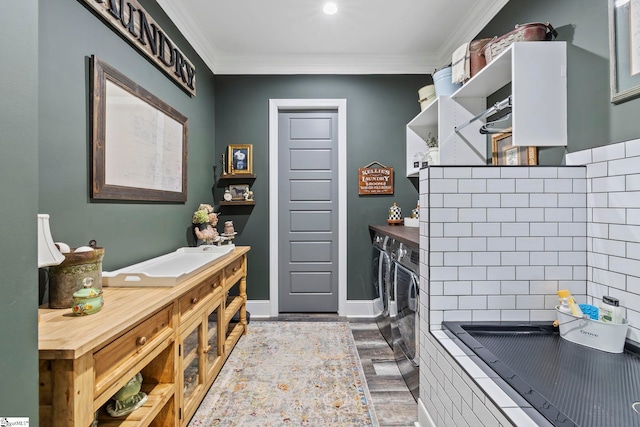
(133, 23)
(375, 180)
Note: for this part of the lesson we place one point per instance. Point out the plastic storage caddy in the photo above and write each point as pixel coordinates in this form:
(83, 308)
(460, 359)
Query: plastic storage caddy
(609, 337)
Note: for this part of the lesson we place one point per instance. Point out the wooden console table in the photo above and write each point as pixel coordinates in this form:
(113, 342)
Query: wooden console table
(177, 337)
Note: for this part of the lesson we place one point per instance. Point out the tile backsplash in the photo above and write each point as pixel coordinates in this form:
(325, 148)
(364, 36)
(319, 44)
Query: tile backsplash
(503, 240)
(613, 226)
(496, 243)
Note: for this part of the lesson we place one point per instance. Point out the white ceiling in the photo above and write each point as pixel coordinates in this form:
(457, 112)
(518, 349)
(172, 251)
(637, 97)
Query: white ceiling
(296, 37)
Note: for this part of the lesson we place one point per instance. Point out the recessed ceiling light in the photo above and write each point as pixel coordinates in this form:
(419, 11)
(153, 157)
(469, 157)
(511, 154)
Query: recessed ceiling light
(330, 8)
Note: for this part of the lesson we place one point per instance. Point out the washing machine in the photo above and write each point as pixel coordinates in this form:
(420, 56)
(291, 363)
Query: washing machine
(384, 307)
(405, 326)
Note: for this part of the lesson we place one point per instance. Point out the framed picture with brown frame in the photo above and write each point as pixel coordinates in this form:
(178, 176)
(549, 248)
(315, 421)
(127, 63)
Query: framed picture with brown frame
(240, 159)
(139, 142)
(504, 153)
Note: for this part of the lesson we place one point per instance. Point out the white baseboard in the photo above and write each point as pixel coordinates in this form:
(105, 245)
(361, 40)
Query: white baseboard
(424, 419)
(261, 309)
(360, 309)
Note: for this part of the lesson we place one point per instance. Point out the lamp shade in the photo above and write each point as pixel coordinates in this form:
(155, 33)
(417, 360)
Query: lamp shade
(48, 253)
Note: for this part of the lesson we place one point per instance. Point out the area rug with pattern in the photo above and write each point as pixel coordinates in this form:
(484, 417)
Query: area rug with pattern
(290, 374)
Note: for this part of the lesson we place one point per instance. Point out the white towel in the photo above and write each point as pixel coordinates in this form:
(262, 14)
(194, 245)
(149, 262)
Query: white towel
(461, 67)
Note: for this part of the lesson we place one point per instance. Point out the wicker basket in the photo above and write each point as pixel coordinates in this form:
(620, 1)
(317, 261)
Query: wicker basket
(534, 31)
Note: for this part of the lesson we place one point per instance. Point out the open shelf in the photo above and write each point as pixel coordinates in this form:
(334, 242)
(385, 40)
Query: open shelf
(426, 118)
(537, 72)
(492, 77)
(234, 332)
(237, 176)
(159, 395)
(237, 203)
(233, 305)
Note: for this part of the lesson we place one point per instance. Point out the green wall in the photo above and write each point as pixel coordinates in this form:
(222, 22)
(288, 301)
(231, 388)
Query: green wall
(129, 232)
(18, 210)
(378, 108)
(592, 119)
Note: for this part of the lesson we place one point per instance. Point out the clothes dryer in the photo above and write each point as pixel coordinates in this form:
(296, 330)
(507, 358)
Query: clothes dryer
(406, 324)
(381, 268)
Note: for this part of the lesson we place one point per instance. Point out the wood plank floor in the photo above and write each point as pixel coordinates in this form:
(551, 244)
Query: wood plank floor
(392, 400)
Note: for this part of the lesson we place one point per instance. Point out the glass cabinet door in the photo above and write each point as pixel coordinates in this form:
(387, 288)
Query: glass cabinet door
(213, 349)
(191, 378)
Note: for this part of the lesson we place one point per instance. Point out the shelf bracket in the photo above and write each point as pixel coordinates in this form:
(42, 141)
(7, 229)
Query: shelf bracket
(498, 106)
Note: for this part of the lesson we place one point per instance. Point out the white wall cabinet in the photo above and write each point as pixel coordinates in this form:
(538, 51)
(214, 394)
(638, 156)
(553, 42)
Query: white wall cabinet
(537, 72)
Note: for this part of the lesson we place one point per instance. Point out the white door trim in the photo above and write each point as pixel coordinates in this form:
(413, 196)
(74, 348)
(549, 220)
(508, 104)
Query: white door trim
(275, 105)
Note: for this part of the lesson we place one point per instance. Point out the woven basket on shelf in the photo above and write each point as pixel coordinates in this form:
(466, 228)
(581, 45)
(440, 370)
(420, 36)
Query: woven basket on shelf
(534, 31)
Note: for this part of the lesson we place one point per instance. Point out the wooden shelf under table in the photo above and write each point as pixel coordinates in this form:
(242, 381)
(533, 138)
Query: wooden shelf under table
(158, 396)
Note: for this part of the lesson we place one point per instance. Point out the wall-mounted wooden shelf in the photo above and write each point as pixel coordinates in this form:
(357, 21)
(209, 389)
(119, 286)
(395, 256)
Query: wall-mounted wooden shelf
(238, 176)
(237, 203)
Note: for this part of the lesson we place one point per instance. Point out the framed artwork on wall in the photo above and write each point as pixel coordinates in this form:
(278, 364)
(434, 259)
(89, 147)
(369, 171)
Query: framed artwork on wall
(238, 191)
(240, 159)
(139, 142)
(504, 153)
(624, 50)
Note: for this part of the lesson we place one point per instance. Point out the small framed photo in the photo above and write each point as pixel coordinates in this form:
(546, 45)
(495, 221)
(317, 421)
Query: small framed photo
(504, 153)
(238, 191)
(240, 159)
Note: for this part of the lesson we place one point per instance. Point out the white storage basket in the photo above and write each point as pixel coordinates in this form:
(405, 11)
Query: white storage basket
(609, 337)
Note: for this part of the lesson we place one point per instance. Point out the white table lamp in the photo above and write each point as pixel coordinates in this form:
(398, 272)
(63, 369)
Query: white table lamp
(48, 253)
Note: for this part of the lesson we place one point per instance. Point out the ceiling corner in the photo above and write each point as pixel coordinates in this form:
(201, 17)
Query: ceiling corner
(203, 47)
(469, 28)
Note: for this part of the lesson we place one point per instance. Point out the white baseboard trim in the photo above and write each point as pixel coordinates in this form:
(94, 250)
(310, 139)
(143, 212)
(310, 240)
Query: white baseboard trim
(360, 309)
(261, 309)
(424, 419)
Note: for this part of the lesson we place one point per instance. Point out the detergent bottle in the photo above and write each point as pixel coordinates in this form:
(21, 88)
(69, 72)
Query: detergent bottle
(610, 310)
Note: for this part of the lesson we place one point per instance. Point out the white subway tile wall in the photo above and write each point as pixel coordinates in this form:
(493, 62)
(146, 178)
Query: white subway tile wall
(613, 227)
(505, 233)
(498, 242)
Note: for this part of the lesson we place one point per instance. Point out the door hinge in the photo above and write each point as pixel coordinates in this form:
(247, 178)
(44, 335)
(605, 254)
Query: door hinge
(180, 413)
(180, 350)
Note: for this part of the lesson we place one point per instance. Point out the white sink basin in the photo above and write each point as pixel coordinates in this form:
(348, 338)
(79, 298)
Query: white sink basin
(167, 270)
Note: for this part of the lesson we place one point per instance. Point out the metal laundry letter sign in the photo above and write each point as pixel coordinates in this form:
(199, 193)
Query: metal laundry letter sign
(130, 20)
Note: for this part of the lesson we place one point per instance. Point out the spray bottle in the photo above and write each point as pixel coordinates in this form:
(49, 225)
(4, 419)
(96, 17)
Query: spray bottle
(568, 304)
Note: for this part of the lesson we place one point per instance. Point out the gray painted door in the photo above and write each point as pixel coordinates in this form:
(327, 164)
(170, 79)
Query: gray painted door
(308, 211)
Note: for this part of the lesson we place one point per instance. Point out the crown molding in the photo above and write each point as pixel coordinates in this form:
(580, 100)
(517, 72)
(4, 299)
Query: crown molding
(469, 28)
(203, 47)
(325, 64)
(230, 63)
